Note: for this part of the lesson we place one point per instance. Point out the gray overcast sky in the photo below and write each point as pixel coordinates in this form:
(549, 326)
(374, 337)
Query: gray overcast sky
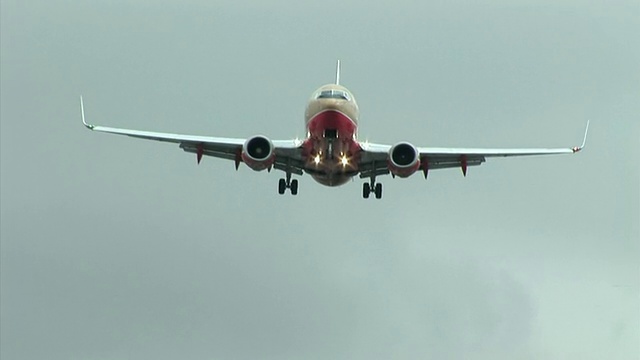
(116, 248)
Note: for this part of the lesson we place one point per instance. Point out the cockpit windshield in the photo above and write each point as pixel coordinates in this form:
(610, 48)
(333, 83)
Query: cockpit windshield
(333, 94)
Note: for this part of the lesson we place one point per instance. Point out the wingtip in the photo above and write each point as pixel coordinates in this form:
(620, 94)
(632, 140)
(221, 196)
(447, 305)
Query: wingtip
(584, 140)
(84, 122)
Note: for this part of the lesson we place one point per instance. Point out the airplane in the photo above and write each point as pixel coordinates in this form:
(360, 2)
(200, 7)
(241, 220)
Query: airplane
(331, 152)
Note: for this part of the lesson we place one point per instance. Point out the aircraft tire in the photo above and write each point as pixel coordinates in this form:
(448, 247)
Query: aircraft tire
(294, 187)
(282, 186)
(366, 190)
(378, 191)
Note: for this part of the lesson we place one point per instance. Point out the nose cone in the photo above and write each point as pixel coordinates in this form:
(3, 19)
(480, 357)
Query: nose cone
(331, 104)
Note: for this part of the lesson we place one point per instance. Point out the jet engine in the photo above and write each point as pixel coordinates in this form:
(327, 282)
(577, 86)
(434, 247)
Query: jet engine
(404, 159)
(258, 153)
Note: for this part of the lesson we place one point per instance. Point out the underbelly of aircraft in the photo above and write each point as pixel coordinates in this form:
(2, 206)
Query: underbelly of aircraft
(331, 179)
(333, 170)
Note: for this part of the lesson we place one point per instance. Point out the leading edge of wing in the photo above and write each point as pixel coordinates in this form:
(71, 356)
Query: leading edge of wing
(494, 152)
(488, 152)
(177, 138)
(150, 135)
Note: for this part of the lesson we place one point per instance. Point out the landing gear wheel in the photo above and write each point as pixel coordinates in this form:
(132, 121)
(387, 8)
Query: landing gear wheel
(366, 190)
(282, 186)
(294, 187)
(378, 191)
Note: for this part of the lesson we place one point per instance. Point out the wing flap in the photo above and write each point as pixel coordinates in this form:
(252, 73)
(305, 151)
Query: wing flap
(433, 163)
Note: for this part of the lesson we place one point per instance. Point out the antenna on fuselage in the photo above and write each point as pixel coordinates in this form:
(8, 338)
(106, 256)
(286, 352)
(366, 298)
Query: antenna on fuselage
(338, 73)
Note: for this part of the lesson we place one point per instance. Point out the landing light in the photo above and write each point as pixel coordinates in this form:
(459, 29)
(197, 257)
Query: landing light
(316, 159)
(344, 160)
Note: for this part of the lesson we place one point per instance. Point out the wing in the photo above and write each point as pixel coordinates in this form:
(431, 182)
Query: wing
(288, 152)
(373, 160)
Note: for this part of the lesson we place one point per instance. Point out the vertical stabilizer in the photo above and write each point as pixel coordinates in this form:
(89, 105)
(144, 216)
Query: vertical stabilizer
(338, 73)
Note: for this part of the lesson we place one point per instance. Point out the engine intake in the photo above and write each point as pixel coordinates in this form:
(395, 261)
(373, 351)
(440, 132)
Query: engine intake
(404, 159)
(258, 153)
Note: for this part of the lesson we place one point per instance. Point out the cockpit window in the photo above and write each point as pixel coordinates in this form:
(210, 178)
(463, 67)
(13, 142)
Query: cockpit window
(333, 94)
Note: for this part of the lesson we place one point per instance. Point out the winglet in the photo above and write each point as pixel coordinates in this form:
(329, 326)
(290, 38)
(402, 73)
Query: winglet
(82, 113)
(338, 73)
(584, 140)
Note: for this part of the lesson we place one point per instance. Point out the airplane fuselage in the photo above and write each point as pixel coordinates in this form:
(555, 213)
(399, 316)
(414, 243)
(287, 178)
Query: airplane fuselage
(331, 147)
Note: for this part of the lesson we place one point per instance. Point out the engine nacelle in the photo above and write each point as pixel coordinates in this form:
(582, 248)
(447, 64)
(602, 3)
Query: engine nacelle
(404, 159)
(258, 153)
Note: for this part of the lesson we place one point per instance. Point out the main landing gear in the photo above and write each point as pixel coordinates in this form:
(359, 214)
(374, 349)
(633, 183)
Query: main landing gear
(283, 185)
(368, 188)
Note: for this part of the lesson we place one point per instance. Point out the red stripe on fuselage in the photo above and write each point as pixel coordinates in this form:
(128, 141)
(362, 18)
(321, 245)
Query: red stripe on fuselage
(330, 171)
(332, 119)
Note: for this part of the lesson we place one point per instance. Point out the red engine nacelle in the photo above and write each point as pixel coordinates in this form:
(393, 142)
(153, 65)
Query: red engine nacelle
(404, 159)
(258, 153)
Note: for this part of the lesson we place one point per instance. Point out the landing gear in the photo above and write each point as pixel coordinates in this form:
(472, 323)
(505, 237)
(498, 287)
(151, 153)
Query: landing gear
(283, 185)
(368, 188)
